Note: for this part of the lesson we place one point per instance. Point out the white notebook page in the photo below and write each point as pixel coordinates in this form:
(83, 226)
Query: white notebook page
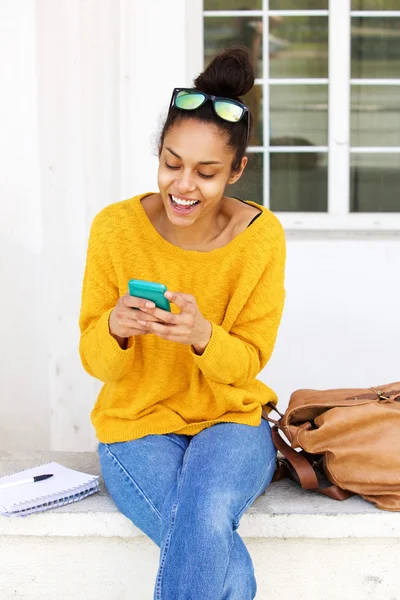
(64, 480)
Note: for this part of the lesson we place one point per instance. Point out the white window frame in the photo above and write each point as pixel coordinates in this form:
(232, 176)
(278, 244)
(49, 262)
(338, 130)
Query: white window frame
(338, 216)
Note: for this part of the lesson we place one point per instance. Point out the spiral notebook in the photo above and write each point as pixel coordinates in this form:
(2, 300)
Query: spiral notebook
(64, 487)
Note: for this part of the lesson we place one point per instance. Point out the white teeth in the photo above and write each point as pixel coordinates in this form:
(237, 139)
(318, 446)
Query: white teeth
(183, 202)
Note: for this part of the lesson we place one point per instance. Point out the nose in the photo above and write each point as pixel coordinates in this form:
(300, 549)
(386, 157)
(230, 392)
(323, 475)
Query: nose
(185, 182)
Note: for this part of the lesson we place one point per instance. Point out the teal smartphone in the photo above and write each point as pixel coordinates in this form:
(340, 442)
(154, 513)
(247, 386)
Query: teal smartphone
(149, 290)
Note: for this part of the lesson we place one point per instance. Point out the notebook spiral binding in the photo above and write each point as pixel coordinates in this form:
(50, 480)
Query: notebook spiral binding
(56, 502)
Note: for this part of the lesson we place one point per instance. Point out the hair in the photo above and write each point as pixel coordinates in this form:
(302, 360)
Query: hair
(230, 74)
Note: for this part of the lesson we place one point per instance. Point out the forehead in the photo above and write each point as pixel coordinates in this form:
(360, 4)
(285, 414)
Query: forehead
(199, 142)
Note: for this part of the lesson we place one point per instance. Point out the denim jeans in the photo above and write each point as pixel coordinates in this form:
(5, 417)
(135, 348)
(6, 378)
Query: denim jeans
(188, 493)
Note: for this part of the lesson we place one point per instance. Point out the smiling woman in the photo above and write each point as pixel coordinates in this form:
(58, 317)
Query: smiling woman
(193, 212)
(183, 448)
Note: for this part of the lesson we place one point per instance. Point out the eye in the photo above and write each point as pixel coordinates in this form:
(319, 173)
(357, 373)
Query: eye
(206, 176)
(171, 166)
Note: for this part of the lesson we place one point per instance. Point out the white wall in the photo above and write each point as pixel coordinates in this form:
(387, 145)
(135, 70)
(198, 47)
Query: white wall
(78, 132)
(341, 324)
(24, 397)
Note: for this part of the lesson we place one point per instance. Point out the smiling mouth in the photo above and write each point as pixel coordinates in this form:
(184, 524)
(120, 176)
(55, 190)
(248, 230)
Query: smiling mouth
(181, 206)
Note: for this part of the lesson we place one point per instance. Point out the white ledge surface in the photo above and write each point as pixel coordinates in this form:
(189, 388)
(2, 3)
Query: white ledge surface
(283, 511)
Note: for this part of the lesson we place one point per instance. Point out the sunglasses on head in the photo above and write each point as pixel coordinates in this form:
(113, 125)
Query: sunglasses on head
(226, 108)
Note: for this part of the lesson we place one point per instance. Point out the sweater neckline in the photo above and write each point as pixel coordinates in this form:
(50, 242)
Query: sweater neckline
(156, 238)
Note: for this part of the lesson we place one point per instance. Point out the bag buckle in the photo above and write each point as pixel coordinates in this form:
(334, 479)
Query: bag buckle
(381, 396)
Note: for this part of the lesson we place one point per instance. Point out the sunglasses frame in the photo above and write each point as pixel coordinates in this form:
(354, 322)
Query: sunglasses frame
(213, 99)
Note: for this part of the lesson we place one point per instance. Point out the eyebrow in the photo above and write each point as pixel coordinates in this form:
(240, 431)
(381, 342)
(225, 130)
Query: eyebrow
(203, 162)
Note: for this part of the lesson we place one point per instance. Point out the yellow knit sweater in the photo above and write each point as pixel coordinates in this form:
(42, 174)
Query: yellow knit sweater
(157, 386)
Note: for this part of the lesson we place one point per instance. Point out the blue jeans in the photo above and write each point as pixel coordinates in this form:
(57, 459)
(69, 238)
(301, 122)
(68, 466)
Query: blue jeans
(188, 493)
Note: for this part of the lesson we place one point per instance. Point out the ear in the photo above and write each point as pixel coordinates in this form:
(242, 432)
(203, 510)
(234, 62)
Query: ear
(235, 175)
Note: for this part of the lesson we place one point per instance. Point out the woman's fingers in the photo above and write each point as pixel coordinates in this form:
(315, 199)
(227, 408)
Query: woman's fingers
(185, 302)
(160, 315)
(135, 302)
(137, 315)
(130, 328)
(147, 318)
(187, 327)
(129, 331)
(167, 332)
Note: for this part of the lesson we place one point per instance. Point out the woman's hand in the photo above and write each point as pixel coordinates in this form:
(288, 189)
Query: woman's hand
(124, 320)
(187, 327)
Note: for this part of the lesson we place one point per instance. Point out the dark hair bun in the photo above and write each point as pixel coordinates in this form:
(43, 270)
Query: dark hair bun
(229, 74)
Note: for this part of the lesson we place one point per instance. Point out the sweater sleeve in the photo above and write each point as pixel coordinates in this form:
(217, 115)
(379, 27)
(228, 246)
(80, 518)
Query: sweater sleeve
(237, 356)
(100, 353)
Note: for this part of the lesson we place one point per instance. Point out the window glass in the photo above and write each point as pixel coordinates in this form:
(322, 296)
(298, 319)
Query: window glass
(298, 4)
(222, 32)
(299, 181)
(273, 4)
(375, 47)
(298, 46)
(254, 100)
(250, 185)
(375, 182)
(375, 115)
(375, 4)
(232, 4)
(299, 112)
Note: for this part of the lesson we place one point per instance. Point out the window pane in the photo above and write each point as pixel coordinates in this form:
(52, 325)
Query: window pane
(375, 4)
(299, 111)
(375, 183)
(250, 185)
(299, 182)
(375, 115)
(298, 4)
(253, 99)
(232, 4)
(375, 47)
(273, 4)
(222, 32)
(298, 46)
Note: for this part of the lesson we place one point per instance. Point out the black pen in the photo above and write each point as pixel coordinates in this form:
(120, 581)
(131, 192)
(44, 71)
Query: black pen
(23, 481)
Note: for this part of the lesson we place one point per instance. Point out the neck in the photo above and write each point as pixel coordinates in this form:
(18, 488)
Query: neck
(198, 236)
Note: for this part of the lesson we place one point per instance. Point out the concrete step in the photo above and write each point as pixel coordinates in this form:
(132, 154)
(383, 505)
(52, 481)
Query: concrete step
(303, 546)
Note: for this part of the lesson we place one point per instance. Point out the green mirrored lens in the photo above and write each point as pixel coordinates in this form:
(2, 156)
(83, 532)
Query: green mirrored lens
(188, 101)
(228, 110)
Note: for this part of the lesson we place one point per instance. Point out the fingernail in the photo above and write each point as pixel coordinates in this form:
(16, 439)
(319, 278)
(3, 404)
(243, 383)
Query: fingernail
(142, 322)
(150, 305)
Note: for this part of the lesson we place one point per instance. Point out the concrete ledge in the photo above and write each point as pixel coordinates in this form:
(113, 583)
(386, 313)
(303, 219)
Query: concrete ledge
(283, 511)
(303, 546)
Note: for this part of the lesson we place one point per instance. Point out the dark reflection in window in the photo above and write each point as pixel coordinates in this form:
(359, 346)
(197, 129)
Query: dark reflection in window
(250, 185)
(232, 4)
(298, 180)
(224, 32)
(253, 99)
(375, 4)
(298, 4)
(375, 182)
(375, 47)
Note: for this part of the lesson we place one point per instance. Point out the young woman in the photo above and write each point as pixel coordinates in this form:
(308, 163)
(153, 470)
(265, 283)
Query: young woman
(183, 448)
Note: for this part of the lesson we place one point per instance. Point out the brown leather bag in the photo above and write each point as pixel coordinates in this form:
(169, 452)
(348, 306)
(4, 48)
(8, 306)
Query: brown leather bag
(349, 439)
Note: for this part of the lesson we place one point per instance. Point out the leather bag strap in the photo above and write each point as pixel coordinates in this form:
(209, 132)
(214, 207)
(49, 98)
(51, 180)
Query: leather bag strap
(304, 470)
